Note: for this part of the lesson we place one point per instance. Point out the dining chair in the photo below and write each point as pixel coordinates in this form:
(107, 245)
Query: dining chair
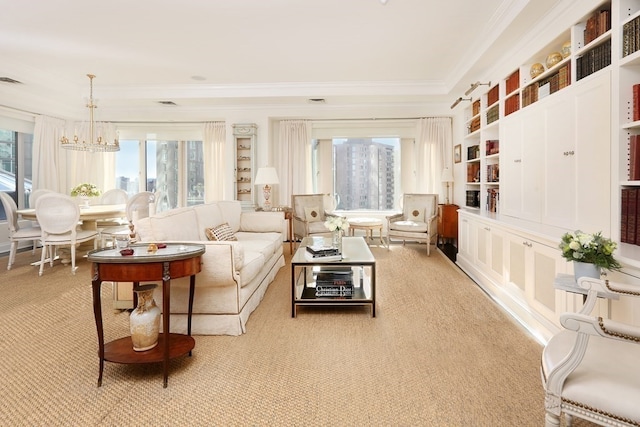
(115, 196)
(59, 219)
(16, 233)
(137, 208)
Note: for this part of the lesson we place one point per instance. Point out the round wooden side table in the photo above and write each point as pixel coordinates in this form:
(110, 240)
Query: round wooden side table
(170, 262)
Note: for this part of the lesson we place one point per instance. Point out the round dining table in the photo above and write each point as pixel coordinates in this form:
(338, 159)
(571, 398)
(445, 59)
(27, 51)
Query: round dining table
(89, 217)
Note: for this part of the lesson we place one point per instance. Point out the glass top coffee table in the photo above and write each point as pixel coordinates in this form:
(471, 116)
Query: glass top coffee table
(348, 281)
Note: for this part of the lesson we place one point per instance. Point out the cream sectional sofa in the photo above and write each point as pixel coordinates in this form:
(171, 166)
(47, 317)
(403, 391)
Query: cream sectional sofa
(235, 274)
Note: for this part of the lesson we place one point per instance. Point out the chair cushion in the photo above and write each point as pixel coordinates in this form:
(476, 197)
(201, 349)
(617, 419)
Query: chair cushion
(410, 226)
(607, 379)
(312, 214)
(220, 233)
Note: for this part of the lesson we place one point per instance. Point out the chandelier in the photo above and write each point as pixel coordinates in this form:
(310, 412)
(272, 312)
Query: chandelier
(91, 137)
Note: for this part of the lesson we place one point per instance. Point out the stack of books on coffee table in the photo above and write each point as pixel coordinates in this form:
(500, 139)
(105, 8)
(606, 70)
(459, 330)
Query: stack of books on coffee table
(335, 283)
(323, 253)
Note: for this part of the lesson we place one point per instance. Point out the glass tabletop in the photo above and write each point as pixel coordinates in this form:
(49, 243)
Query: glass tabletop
(354, 250)
(141, 253)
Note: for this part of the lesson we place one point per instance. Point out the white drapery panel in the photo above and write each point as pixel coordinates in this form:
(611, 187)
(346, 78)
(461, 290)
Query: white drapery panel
(213, 143)
(292, 159)
(58, 169)
(433, 153)
(46, 133)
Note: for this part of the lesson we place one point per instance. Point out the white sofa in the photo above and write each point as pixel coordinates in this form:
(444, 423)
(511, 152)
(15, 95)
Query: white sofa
(235, 274)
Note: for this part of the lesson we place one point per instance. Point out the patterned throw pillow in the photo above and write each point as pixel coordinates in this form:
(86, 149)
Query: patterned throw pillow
(312, 214)
(416, 214)
(220, 232)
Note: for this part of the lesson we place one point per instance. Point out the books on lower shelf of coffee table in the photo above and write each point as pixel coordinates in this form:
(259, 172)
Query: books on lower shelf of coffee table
(336, 283)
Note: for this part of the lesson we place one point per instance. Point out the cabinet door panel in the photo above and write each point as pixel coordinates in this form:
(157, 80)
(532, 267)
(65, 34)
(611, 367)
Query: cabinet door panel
(511, 166)
(559, 201)
(593, 155)
(532, 139)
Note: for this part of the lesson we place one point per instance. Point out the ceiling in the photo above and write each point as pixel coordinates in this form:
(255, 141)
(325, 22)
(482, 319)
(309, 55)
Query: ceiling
(210, 56)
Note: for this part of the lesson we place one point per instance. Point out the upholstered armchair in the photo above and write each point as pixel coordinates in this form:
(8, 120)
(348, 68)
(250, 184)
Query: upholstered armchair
(309, 215)
(418, 221)
(590, 369)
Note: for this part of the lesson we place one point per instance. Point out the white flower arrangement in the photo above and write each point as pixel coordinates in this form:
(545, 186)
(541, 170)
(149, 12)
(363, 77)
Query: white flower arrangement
(85, 190)
(336, 223)
(589, 248)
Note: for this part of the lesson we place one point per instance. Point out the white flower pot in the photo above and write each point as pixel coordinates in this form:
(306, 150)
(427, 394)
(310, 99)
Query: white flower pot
(583, 269)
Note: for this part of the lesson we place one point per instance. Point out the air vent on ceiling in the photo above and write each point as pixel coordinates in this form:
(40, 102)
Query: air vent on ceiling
(316, 100)
(9, 80)
(167, 103)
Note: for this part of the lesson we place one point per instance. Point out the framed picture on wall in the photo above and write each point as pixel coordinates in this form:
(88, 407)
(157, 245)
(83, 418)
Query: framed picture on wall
(457, 153)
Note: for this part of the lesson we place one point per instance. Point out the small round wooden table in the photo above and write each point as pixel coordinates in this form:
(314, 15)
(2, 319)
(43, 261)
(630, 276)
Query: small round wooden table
(368, 225)
(171, 262)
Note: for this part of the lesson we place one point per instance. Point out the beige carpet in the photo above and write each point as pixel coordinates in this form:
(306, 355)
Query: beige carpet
(439, 353)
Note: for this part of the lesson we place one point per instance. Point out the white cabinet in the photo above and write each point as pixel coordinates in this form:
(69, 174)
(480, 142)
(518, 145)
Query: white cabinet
(490, 249)
(577, 162)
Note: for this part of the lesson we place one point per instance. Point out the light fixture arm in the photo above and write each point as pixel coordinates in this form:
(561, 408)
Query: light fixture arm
(458, 101)
(474, 86)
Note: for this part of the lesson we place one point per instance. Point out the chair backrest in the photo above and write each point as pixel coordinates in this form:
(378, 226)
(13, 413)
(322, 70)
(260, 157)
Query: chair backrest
(138, 205)
(301, 201)
(35, 194)
(419, 207)
(115, 196)
(10, 208)
(57, 213)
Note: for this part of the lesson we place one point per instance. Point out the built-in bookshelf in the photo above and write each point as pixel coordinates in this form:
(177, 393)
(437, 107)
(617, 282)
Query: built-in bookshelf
(244, 136)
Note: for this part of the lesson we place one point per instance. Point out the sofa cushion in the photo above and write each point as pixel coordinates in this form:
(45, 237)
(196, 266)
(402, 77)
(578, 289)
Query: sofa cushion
(209, 215)
(220, 232)
(165, 225)
(266, 243)
(231, 211)
(253, 263)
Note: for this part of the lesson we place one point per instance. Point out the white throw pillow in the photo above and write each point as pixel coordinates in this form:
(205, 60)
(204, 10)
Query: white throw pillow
(312, 214)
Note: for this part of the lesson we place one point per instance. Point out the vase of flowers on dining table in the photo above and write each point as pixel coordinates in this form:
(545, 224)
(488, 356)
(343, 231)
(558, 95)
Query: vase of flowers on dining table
(85, 191)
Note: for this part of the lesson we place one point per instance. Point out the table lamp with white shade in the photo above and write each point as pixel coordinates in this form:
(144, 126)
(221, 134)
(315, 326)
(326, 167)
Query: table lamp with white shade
(447, 177)
(267, 176)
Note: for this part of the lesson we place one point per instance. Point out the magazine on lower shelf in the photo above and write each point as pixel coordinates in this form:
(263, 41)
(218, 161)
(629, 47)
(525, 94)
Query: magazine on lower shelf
(323, 258)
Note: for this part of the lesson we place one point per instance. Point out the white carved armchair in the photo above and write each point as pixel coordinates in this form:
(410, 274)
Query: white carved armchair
(591, 370)
(418, 221)
(309, 214)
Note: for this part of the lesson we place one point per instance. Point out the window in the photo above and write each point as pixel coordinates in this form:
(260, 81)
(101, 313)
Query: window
(15, 166)
(365, 172)
(165, 168)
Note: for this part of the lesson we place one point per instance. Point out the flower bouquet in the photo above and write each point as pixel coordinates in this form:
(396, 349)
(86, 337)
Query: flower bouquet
(589, 248)
(85, 190)
(336, 223)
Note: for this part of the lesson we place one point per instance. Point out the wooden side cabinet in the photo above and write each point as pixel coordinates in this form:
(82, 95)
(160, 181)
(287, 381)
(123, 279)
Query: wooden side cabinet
(448, 223)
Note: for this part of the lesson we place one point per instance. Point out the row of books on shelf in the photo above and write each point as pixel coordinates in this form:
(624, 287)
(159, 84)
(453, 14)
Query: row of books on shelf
(473, 152)
(473, 172)
(511, 104)
(492, 202)
(336, 282)
(594, 60)
(597, 24)
(636, 101)
(630, 216)
(493, 95)
(547, 86)
(493, 114)
(512, 82)
(634, 157)
(492, 147)
(474, 125)
(493, 173)
(631, 36)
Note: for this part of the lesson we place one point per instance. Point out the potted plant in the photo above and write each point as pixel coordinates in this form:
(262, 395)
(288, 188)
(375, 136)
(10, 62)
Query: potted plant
(590, 253)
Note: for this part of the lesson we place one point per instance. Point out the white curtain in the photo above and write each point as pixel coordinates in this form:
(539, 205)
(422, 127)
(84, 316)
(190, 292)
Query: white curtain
(59, 169)
(213, 144)
(433, 153)
(292, 159)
